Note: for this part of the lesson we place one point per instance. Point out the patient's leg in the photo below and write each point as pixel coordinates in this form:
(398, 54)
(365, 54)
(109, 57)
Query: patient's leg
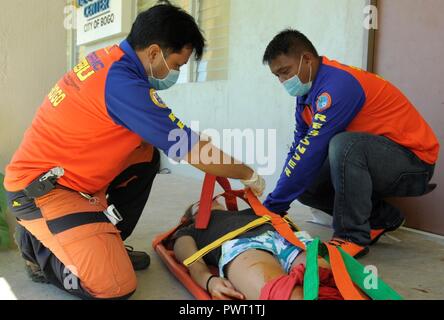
(302, 259)
(252, 270)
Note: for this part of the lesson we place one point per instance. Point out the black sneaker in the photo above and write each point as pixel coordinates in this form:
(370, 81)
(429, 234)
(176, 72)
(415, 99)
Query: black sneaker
(139, 259)
(35, 273)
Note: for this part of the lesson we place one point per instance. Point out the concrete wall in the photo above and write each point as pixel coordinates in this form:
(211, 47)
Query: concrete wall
(32, 59)
(252, 97)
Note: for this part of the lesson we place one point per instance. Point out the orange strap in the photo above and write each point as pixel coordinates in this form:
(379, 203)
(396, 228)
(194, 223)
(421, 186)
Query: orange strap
(207, 197)
(278, 222)
(341, 275)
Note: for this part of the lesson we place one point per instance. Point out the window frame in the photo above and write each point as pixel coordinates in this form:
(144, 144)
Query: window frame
(192, 70)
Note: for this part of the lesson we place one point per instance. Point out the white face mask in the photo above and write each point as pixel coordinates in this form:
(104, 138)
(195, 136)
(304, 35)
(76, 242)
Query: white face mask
(166, 83)
(295, 87)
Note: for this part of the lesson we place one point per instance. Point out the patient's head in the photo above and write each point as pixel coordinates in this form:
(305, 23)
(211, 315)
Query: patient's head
(192, 210)
(216, 205)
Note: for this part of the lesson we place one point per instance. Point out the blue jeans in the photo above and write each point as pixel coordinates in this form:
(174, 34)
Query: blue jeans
(362, 170)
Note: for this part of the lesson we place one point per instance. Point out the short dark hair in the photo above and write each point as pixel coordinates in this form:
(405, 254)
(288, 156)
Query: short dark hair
(289, 41)
(168, 26)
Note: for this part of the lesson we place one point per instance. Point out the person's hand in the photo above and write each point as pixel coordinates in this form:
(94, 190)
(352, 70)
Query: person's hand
(222, 289)
(256, 183)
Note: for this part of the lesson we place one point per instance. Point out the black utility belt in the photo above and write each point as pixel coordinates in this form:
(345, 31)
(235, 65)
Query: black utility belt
(44, 184)
(48, 182)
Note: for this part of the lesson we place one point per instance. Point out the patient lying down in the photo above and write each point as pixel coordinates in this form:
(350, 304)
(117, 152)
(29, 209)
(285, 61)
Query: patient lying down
(248, 263)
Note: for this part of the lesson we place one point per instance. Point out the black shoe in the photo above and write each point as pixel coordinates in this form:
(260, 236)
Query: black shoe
(139, 259)
(33, 270)
(35, 273)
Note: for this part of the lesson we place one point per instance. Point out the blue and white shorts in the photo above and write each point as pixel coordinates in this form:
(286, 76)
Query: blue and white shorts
(270, 241)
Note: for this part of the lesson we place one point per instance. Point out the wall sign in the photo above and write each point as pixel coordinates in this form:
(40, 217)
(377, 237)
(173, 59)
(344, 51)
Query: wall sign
(98, 19)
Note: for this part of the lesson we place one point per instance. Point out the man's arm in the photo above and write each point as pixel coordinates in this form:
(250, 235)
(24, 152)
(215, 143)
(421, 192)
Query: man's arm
(343, 103)
(217, 163)
(132, 104)
(210, 159)
(300, 132)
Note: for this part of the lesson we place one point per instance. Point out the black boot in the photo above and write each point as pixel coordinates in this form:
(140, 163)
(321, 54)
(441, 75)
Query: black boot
(35, 273)
(139, 259)
(33, 270)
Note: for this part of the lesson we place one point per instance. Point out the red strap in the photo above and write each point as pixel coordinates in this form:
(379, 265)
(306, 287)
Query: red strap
(278, 222)
(282, 287)
(230, 197)
(342, 278)
(224, 183)
(207, 197)
(206, 200)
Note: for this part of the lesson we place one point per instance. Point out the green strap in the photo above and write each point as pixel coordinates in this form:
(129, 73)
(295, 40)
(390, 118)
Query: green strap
(380, 290)
(4, 230)
(311, 277)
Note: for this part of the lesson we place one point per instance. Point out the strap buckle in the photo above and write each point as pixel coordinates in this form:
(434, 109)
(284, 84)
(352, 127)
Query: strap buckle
(44, 184)
(113, 215)
(53, 174)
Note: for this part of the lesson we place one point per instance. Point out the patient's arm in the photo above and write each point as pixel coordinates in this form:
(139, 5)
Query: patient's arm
(184, 248)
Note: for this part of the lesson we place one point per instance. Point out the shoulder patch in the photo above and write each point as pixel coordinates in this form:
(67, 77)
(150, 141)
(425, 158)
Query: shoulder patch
(157, 99)
(324, 102)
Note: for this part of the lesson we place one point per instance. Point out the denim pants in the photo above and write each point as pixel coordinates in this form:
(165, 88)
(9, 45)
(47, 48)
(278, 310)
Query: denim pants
(360, 172)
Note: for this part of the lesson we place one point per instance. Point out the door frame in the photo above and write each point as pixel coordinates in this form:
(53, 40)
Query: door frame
(369, 64)
(368, 59)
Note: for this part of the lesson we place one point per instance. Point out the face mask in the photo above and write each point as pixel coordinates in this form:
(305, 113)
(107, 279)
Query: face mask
(295, 87)
(166, 83)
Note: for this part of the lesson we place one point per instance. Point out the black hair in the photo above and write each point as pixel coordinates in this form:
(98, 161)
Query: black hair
(168, 26)
(289, 41)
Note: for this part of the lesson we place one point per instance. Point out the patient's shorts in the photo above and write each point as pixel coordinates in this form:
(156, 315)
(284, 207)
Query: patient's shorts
(270, 241)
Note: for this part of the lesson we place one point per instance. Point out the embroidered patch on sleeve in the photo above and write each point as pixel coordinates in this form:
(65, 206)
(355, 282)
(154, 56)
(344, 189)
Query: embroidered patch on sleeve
(324, 102)
(157, 99)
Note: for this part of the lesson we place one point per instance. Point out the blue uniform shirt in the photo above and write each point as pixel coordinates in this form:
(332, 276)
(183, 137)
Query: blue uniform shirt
(334, 100)
(132, 102)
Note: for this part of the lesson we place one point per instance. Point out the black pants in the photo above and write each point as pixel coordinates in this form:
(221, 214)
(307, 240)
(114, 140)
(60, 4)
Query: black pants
(362, 170)
(130, 200)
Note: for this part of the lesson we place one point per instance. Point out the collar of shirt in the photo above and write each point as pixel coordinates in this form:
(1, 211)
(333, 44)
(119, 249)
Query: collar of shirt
(308, 98)
(129, 51)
